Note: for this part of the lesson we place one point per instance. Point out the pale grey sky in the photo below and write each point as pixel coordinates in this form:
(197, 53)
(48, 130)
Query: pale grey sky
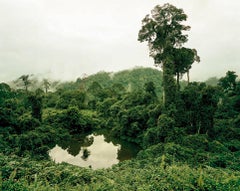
(63, 39)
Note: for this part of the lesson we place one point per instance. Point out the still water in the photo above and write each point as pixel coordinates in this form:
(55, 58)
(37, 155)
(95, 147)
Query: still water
(95, 151)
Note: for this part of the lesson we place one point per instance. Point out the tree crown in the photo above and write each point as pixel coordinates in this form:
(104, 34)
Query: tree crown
(163, 31)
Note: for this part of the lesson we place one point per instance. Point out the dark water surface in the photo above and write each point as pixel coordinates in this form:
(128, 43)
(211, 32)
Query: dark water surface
(95, 151)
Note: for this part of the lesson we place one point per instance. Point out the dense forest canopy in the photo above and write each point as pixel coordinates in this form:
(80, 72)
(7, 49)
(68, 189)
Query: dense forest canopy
(190, 140)
(199, 132)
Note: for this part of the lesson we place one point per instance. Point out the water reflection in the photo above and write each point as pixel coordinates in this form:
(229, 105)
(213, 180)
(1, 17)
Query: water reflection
(75, 145)
(95, 151)
(86, 154)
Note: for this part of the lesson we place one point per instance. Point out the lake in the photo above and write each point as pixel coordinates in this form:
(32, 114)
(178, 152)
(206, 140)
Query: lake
(94, 151)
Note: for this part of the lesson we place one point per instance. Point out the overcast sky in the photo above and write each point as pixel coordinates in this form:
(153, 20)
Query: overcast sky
(64, 39)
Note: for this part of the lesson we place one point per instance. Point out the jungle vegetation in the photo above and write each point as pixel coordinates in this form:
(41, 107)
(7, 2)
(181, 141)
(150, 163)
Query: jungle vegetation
(189, 132)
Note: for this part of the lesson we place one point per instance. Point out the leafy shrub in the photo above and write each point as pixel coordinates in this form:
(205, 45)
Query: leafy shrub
(196, 142)
(27, 123)
(39, 140)
(217, 147)
(13, 186)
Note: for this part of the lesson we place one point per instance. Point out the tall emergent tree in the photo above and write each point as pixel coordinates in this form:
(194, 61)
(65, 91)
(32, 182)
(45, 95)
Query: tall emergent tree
(163, 31)
(26, 81)
(46, 85)
(36, 101)
(228, 83)
(183, 60)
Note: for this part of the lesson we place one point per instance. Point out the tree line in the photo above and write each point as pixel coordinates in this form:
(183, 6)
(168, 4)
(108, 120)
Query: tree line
(190, 128)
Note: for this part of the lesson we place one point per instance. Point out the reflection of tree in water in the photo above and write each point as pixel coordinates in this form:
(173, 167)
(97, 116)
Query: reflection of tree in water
(88, 141)
(74, 146)
(126, 149)
(86, 154)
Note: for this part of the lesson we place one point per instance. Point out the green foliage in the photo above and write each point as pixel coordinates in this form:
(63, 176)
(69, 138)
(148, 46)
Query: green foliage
(26, 123)
(5, 92)
(191, 144)
(163, 30)
(134, 80)
(50, 100)
(71, 97)
(39, 140)
(10, 109)
(35, 100)
(129, 175)
(13, 186)
(196, 143)
(183, 60)
(133, 116)
(159, 133)
(150, 88)
(101, 77)
(228, 83)
(225, 129)
(73, 119)
(190, 140)
(200, 103)
(104, 107)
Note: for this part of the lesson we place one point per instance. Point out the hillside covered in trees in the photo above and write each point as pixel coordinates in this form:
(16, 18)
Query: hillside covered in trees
(191, 146)
(188, 132)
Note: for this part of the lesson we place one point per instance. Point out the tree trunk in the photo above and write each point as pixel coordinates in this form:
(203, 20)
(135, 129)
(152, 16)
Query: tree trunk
(164, 99)
(169, 84)
(188, 77)
(178, 85)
